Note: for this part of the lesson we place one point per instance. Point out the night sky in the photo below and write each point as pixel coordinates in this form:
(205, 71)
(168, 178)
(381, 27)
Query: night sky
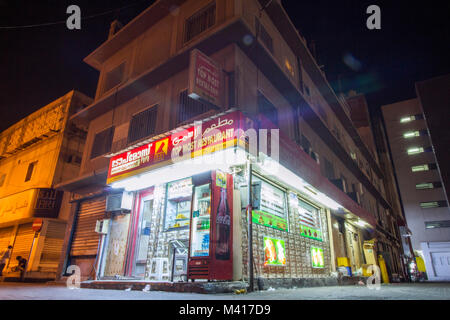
(40, 64)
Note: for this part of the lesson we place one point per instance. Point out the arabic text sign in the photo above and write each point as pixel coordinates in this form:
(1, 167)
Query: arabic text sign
(204, 78)
(201, 139)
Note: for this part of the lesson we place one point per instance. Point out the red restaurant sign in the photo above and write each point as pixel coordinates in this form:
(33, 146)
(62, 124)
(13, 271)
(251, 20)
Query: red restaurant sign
(202, 138)
(204, 78)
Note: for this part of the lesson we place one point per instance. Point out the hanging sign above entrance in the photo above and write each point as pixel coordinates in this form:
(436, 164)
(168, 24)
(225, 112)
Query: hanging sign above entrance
(204, 78)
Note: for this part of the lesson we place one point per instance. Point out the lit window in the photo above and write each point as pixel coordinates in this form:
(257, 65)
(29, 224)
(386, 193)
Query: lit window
(437, 224)
(415, 150)
(433, 204)
(421, 186)
(423, 167)
(407, 119)
(411, 134)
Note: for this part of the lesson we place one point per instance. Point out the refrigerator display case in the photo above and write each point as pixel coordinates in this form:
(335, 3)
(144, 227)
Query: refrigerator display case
(210, 246)
(178, 209)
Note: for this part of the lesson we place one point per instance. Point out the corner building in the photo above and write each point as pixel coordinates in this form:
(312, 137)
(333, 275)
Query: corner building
(196, 76)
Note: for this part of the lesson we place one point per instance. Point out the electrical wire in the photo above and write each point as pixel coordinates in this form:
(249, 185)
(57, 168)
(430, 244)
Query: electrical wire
(64, 21)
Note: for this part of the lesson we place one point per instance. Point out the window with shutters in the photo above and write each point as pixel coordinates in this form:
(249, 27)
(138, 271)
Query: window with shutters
(114, 77)
(199, 22)
(102, 142)
(263, 35)
(143, 124)
(189, 108)
(267, 108)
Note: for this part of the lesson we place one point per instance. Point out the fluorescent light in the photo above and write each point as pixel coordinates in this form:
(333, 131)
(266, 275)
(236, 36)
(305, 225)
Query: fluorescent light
(221, 160)
(415, 150)
(407, 119)
(411, 134)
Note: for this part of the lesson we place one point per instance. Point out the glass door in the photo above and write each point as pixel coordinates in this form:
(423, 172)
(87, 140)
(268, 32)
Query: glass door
(143, 236)
(201, 221)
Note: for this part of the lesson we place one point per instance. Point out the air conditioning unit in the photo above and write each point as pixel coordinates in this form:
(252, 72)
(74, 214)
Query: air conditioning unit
(102, 226)
(119, 202)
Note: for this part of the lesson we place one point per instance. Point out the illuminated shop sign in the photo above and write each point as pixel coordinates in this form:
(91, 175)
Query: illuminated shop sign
(201, 139)
(317, 258)
(274, 252)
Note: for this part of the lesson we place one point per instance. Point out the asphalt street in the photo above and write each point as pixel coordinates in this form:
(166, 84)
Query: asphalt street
(407, 291)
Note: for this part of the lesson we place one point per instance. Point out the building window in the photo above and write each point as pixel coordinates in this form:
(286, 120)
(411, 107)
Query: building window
(433, 204)
(415, 150)
(262, 34)
(190, 108)
(329, 168)
(267, 108)
(200, 22)
(428, 185)
(2, 179)
(424, 167)
(411, 118)
(437, 224)
(114, 77)
(143, 124)
(30, 170)
(102, 142)
(305, 144)
(300, 75)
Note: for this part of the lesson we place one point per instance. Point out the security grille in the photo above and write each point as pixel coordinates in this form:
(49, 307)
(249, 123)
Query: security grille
(143, 124)
(102, 142)
(190, 108)
(199, 22)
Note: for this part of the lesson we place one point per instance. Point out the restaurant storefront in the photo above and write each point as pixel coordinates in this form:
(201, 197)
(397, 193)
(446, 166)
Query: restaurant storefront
(182, 215)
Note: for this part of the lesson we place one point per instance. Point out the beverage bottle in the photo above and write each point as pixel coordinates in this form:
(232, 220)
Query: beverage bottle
(223, 220)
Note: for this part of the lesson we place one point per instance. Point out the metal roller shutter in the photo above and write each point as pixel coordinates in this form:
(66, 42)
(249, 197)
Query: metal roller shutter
(22, 243)
(54, 239)
(85, 239)
(5, 238)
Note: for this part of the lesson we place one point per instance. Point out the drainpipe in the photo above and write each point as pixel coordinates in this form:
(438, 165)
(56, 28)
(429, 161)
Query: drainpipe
(250, 230)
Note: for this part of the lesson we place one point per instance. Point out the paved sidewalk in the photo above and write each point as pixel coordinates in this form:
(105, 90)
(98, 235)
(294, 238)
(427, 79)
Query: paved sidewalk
(416, 291)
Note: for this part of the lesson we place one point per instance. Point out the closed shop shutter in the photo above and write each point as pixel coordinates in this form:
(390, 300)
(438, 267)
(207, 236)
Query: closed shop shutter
(22, 243)
(51, 252)
(5, 238)
(85, 239)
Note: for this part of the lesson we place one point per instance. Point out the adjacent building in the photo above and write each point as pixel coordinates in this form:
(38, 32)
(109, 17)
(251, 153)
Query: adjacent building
(37, 153)
(195, 79)
(418, 138)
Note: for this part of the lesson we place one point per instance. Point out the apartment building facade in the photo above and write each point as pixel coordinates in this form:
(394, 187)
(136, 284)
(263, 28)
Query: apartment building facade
(322, 206)
(417, 168)
(36, 153)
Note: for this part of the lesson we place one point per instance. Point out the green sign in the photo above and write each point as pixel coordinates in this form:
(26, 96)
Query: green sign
(274, 252)
(269, 220)
(317, 257)
(311, 233)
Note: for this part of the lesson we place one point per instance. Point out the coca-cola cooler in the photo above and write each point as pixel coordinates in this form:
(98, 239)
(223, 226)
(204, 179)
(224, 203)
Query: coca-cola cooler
(210, 242)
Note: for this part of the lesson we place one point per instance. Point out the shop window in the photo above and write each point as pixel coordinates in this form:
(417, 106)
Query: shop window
(102, 142)
(262, 34)
(2, 179)
(269, 204)
(114, 77)
(178, 206)
(143, 124)
(190, 108)
(30, 170)
(433, 204)
(199, 22)
(437, 224)
(310, 224)
(267, 108)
